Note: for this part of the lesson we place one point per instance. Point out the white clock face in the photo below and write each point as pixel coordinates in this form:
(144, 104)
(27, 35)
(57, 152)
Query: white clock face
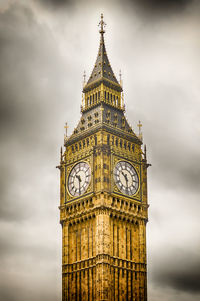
(126, 178)
(79, 179)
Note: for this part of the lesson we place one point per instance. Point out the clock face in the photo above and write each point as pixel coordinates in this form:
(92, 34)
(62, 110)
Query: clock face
(126, 178)
(79, 179)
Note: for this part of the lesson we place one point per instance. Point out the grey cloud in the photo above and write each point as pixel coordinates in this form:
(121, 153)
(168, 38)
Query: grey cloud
(57, 4)
(168, 131)
(156, 7)
(178, 270)
(39, 93)
(21, 112)
(29, 71)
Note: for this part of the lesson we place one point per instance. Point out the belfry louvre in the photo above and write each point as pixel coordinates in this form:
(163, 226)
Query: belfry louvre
(103, 196)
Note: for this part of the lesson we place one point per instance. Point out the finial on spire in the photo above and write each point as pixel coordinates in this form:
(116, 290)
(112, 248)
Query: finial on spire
(65, 135)
(102, 25)
(84, 78)
(120, 77)
(66, 127)
(140, 132)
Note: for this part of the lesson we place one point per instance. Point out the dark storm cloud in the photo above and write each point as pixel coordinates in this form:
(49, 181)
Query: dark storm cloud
(161, 5)
(33, 104)
(170, 118)
(182, 271)
(29, 71)
(57, 3)
(27, 75)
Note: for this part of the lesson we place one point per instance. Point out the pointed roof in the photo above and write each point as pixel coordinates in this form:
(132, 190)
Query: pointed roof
(102, 70)
(97, 118)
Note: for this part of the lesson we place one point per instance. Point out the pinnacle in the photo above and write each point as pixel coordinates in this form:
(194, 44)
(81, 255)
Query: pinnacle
(102, 69)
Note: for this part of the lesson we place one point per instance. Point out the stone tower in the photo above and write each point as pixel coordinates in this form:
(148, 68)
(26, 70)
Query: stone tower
(103, 196)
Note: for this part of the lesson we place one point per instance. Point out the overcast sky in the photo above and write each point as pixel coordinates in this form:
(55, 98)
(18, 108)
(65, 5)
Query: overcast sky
(44, 48)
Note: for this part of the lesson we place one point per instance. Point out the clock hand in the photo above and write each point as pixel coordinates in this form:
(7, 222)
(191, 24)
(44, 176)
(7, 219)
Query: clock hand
(123, 173)
(79, 178)
(126, 179)
(79, 183)
(79, 186)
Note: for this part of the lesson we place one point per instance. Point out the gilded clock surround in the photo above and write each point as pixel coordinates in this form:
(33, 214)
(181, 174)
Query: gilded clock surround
(68, 170)
(129, 171)
(87, 175)
(103, 230)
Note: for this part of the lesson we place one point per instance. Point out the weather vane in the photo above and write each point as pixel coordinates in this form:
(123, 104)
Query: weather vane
(102, 25)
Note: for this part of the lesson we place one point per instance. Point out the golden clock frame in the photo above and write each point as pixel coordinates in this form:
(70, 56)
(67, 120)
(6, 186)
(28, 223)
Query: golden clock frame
(68, 169)
(137, 165)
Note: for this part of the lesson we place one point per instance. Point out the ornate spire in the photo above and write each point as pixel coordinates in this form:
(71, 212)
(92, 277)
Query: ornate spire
(102, 70)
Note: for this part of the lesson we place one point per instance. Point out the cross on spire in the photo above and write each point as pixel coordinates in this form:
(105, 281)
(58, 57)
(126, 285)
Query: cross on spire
(102, 25)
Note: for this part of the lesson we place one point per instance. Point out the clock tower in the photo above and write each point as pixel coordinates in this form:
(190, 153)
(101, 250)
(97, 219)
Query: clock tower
(103, 196)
